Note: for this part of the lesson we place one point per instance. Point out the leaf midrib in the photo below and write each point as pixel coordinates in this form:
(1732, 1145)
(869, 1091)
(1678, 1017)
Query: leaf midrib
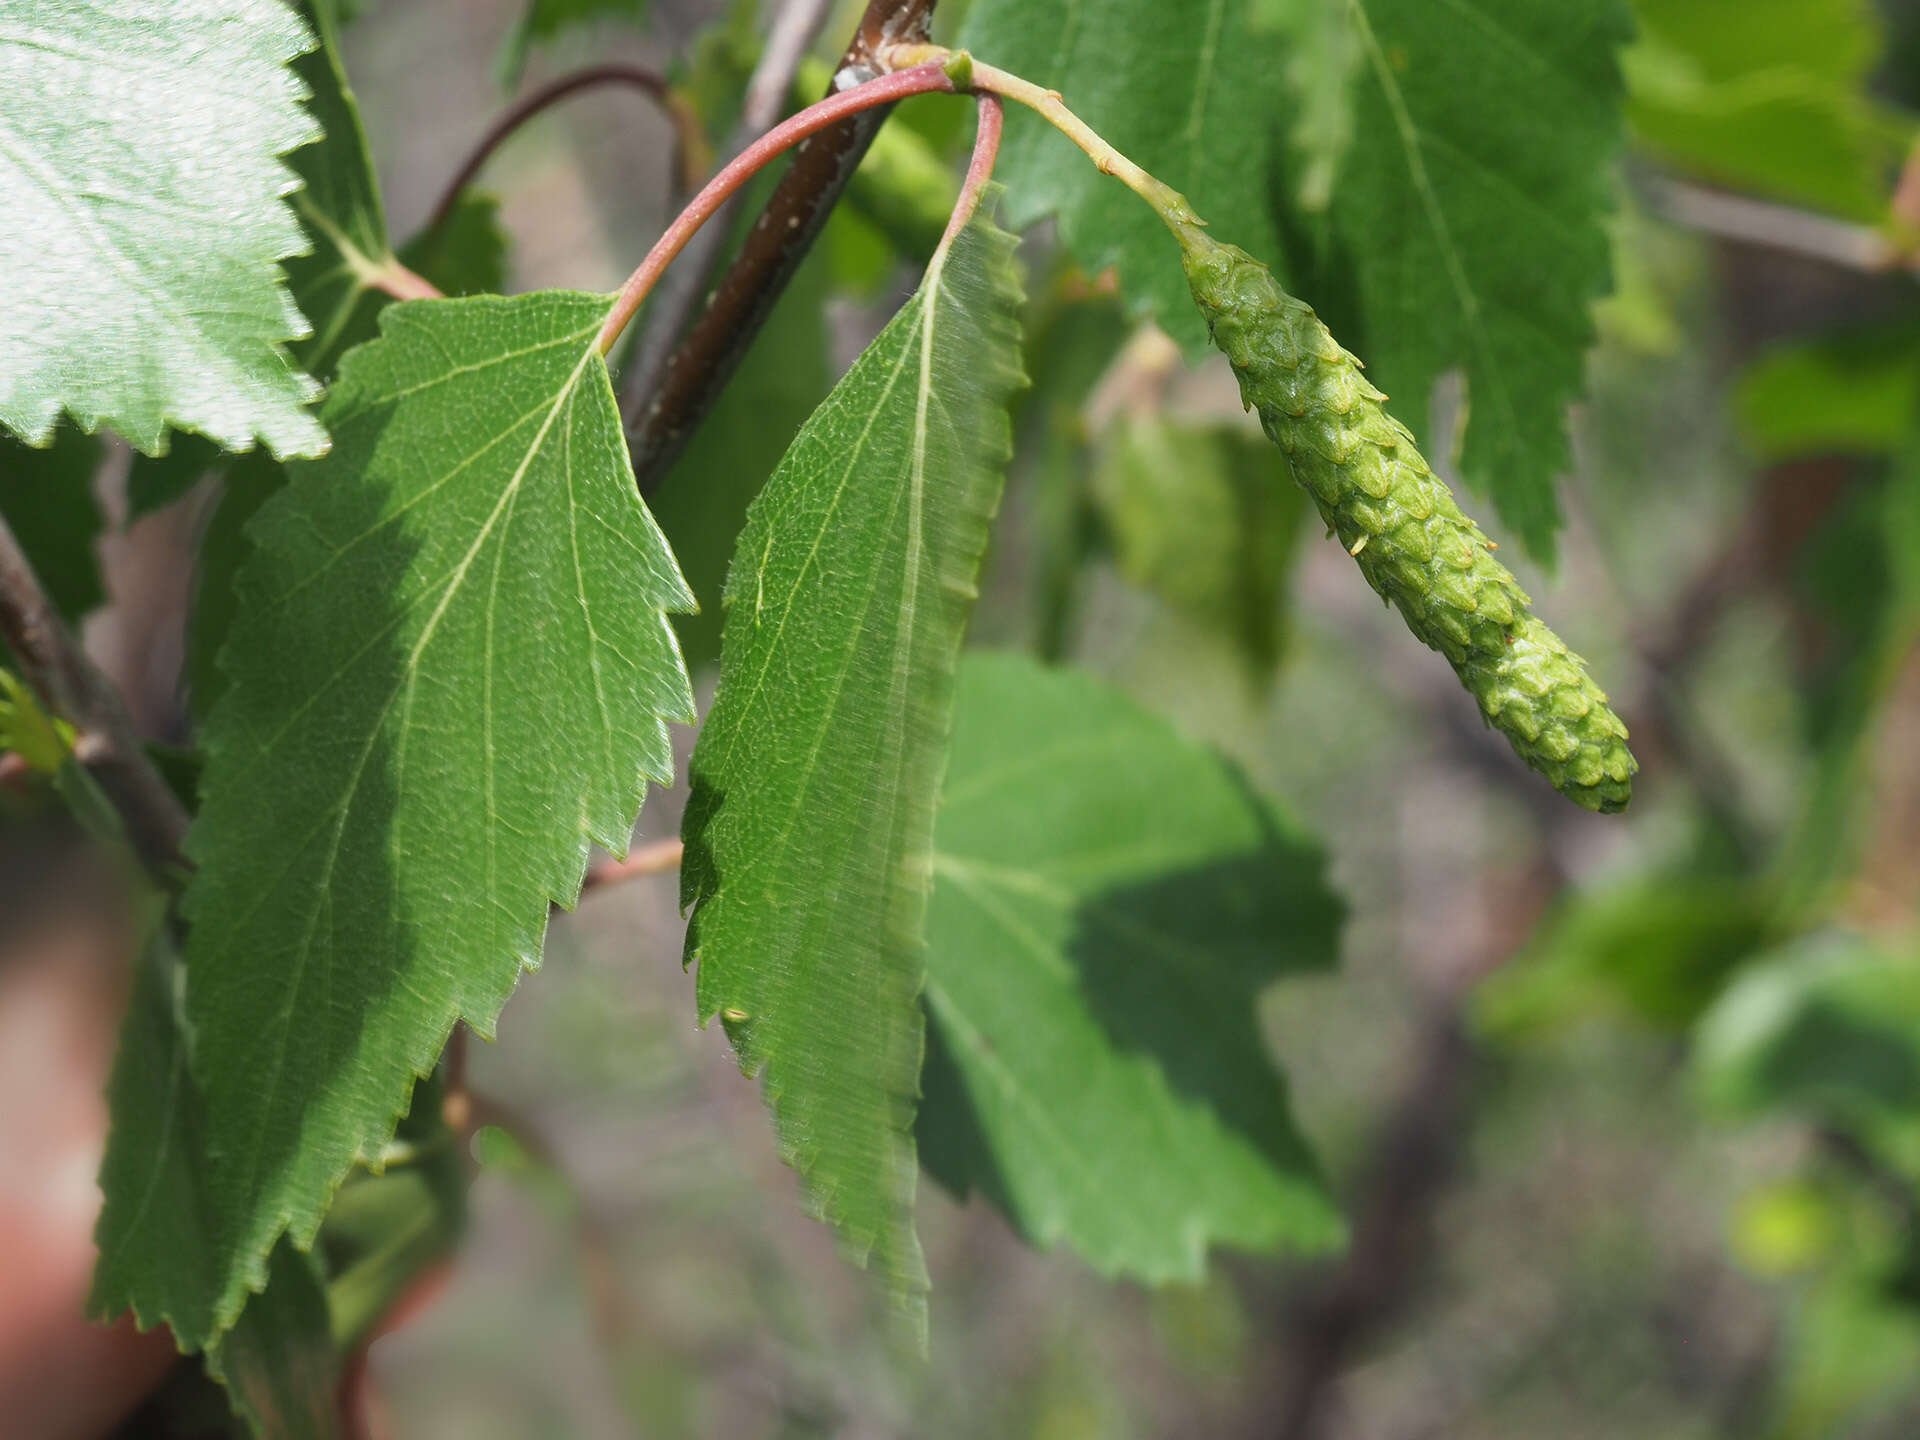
(344, 806)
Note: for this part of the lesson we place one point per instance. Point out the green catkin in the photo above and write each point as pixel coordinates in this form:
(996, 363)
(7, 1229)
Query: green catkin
(1404, 528)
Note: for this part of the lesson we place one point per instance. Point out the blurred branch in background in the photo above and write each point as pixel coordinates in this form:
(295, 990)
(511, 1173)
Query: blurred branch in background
(1775, 227)
(105, 744)
(1413, 1159)
(693, 152)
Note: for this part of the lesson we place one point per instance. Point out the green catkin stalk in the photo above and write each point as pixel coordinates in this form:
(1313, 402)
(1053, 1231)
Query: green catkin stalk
(1403, 526)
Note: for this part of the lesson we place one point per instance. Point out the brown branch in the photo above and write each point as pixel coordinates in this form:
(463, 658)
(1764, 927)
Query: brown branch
(693, 154)
(70, 687)
(1412, 1162)
(664, 405)
(678, 299)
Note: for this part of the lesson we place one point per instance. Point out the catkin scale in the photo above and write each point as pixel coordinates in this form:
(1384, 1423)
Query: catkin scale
(1404, 528)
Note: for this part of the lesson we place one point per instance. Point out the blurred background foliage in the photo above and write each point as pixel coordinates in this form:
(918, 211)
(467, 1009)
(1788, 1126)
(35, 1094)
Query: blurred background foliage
(1625, 1114)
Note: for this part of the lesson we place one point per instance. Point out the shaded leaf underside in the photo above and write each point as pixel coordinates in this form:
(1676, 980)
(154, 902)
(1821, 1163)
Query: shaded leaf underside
(1110, 903)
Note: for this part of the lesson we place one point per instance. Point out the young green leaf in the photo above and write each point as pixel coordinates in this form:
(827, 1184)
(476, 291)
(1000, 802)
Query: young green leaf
(1472, 203)
(336, 281)
(385, 1229)
(450, 672)
(810, 825)
(1401, 523)
(1110, 901)
(1186, 90)
(466, 253)
(141, 218)
(1659, 950)
(1073, 343)
(1851, 393)
(1859, 578)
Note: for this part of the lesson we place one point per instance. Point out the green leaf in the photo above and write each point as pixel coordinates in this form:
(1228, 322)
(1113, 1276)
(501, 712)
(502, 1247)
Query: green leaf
(346, 231)
(223, 554)
(46, 498)
(1859, 577)
(1771, 96)
(141, 216)
(466, 253)
(1323, 53)
(339, 207)
(1660, 949)
(43, 741)
(155, 1233)
(1184, 90)
(1073, 343)
(1110, 902)
(810, 824)
(450, 673)
(1853, 393)
(1829, 1028)
(1196, 518)
(716, 65)
(1854, 1345)
(1476, 223)
(543, 20)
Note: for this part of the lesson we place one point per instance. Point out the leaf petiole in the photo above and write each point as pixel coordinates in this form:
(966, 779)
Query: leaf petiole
(967, 73)
(886, 89)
